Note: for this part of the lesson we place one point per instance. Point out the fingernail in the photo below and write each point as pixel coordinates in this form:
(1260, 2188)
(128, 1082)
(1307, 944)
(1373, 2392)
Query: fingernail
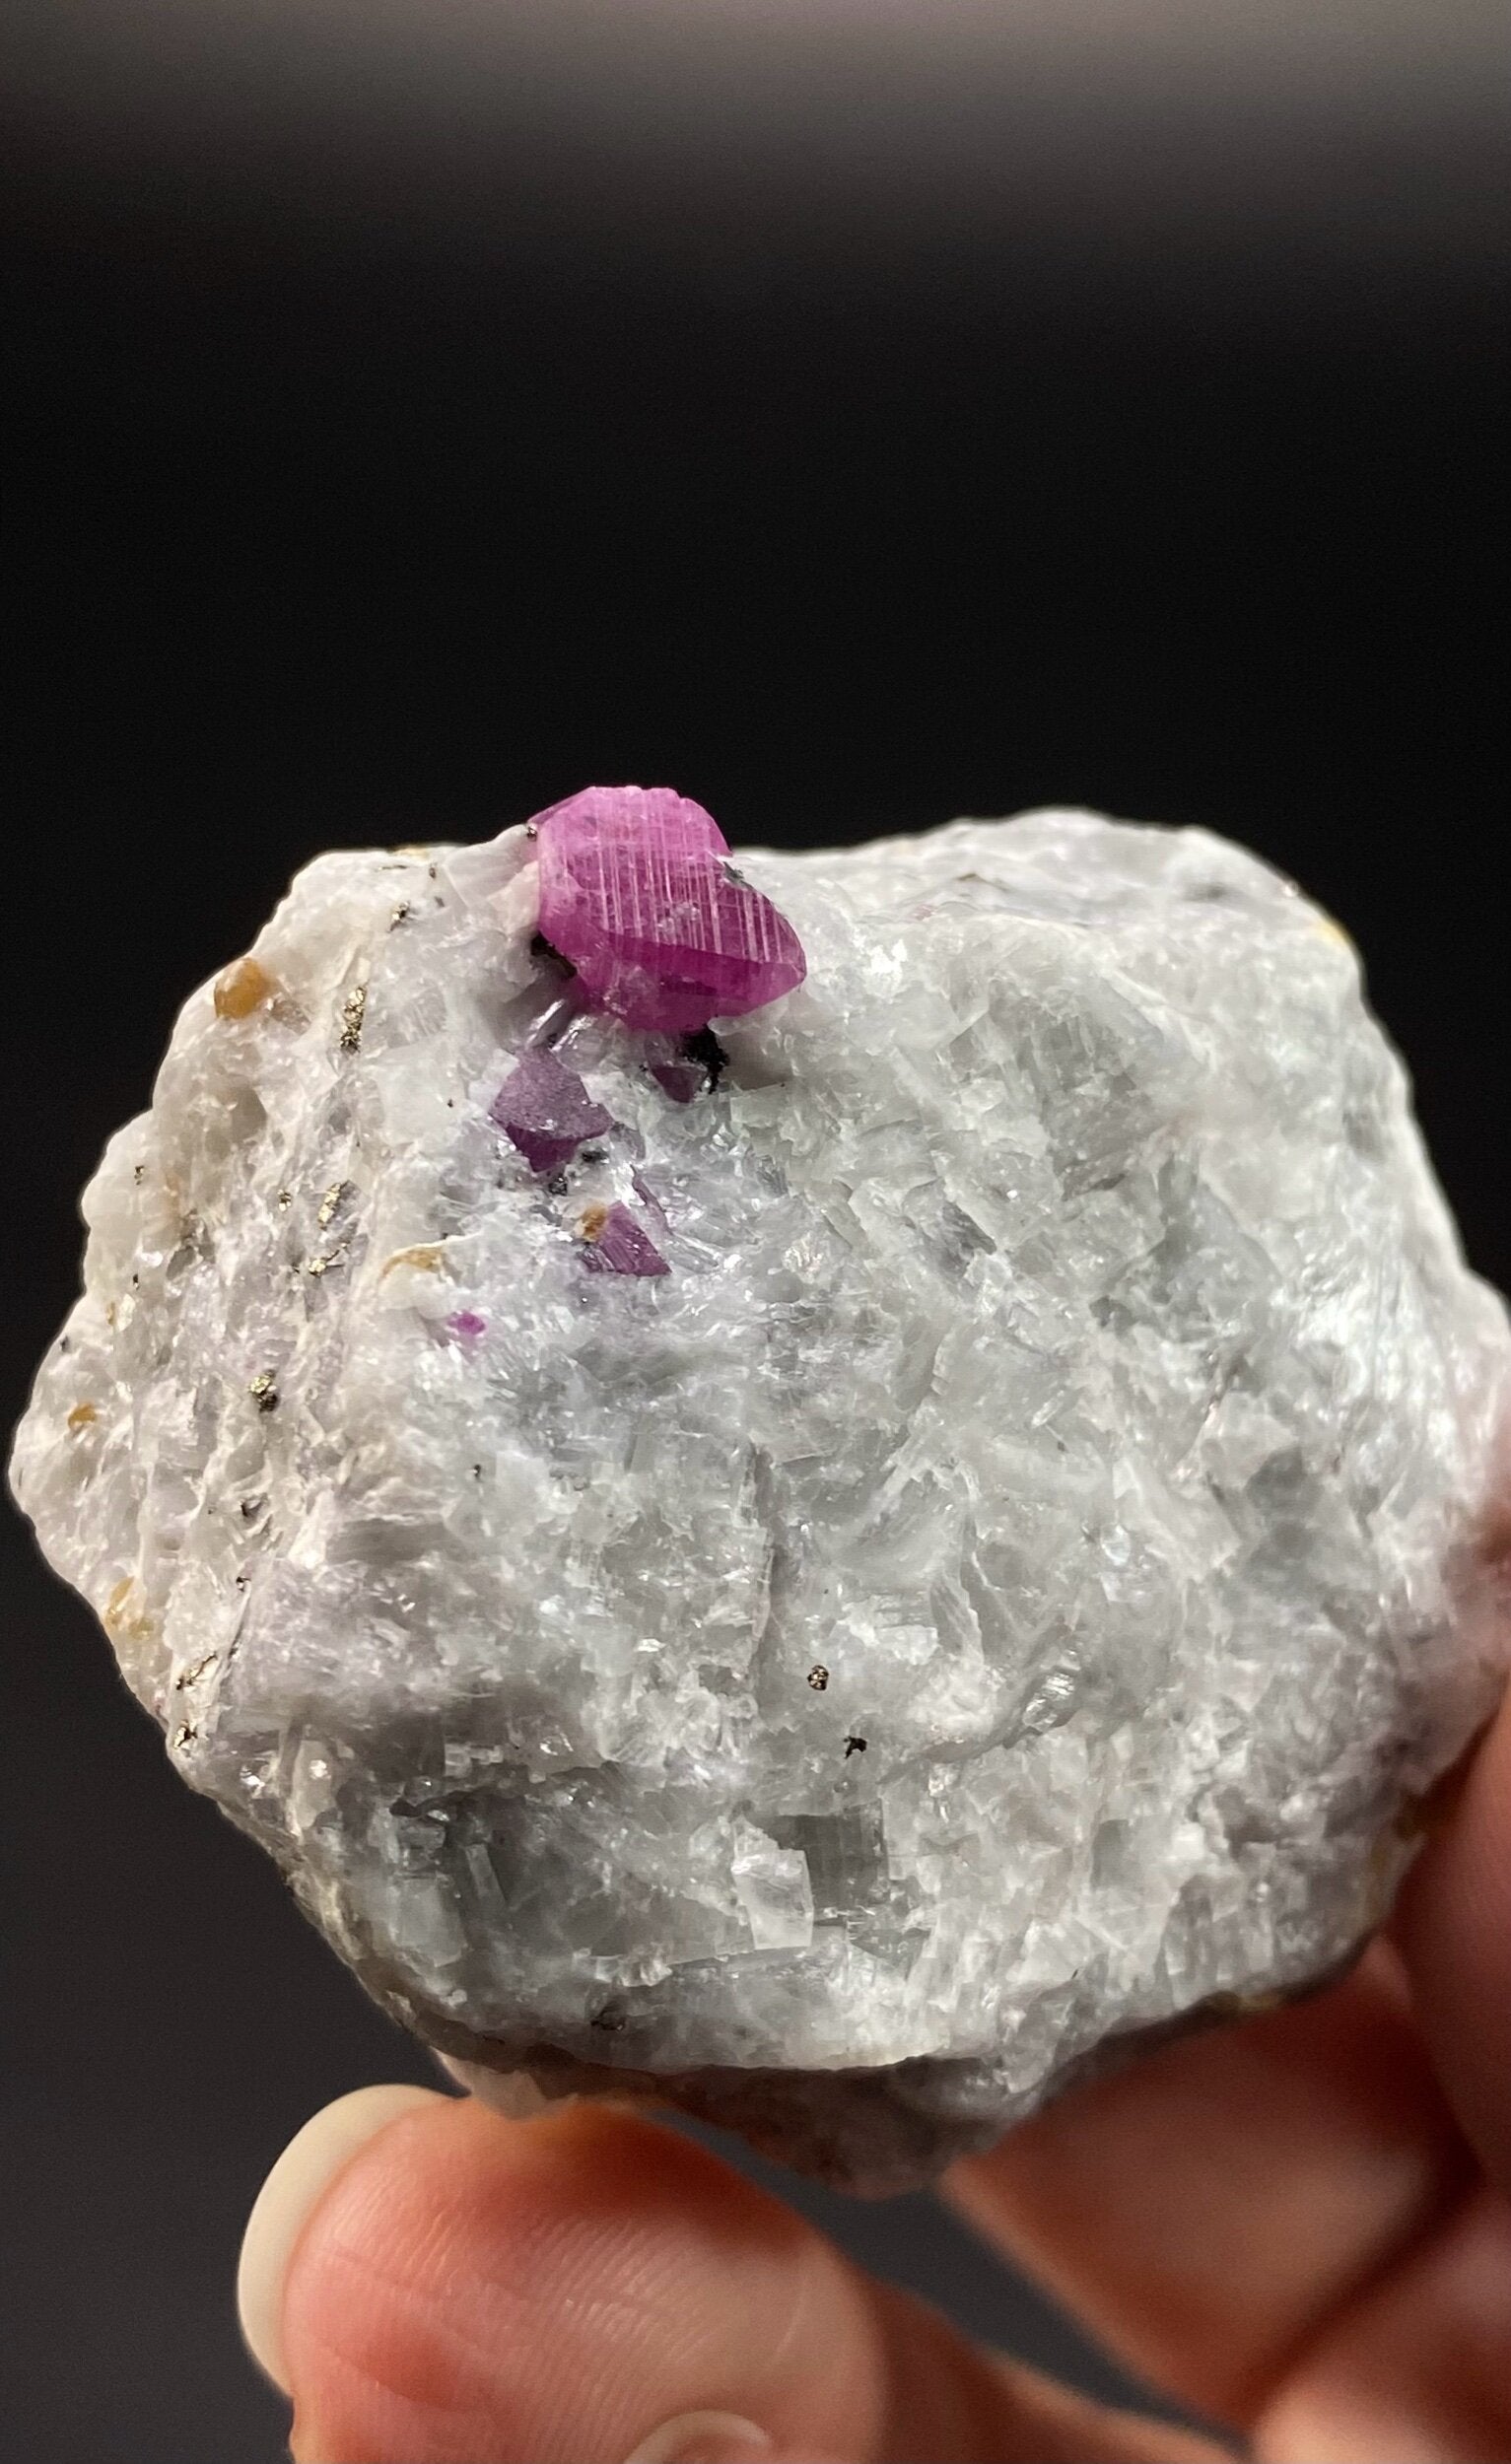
(704, 2438)
(293, 2189)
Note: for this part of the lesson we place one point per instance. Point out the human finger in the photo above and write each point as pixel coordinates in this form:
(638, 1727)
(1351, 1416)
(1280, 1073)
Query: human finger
(1416, 2368)
(1209, 2209)
(588, 2287)
(1455, 1930)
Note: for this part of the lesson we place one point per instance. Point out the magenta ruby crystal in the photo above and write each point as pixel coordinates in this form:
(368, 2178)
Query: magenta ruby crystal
(679, 1079)
(618, 1245)
(547, 1111)
(638, 892)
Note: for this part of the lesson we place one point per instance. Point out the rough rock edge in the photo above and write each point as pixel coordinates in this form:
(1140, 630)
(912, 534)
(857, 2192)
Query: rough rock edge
(874, 2133)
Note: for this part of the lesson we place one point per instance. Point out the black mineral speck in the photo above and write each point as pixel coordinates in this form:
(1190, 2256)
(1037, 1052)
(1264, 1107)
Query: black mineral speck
(706, 1050)
(853, 1746)
(818, 1677)
(540, 947)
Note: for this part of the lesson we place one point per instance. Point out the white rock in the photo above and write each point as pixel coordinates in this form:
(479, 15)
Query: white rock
(1065, 1346)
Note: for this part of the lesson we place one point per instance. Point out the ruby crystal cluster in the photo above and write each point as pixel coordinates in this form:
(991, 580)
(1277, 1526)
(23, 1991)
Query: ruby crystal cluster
(639, 901)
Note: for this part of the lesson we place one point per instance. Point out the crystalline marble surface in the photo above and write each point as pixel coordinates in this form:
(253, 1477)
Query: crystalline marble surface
(990, 1591)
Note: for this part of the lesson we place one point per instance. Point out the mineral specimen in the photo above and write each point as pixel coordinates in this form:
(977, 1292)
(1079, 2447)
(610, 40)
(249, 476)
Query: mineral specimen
(979, 1573)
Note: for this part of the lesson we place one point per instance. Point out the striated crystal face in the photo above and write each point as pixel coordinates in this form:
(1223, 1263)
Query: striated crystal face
(938, 1536)
(638, 891)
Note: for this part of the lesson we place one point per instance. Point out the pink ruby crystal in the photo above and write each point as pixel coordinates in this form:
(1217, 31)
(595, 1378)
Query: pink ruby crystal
(619, 1245)
(679, 1079)
(638, 891)
(544, 1108)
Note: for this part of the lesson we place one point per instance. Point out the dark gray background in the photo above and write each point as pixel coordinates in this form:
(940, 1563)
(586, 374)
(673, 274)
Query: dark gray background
(852, 418)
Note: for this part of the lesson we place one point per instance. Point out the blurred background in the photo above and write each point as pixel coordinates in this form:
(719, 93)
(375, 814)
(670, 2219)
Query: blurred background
(853, 415)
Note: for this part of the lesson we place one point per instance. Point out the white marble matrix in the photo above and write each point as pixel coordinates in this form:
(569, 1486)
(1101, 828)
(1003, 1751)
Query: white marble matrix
(1066, 1381)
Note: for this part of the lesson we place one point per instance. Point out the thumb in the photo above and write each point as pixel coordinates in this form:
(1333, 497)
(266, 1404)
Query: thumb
(435, 2285)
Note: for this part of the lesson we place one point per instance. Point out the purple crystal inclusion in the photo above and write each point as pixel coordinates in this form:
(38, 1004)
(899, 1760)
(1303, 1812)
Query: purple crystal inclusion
(618, 1246)
(679, 1079)
(638, 892)
(547, 1111)
(465, 1326)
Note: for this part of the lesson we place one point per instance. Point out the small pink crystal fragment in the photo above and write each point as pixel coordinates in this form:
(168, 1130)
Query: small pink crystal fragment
(679, 1079)
(619, 1245)
(638, 891)
(465, 1326)
(547, 1111)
